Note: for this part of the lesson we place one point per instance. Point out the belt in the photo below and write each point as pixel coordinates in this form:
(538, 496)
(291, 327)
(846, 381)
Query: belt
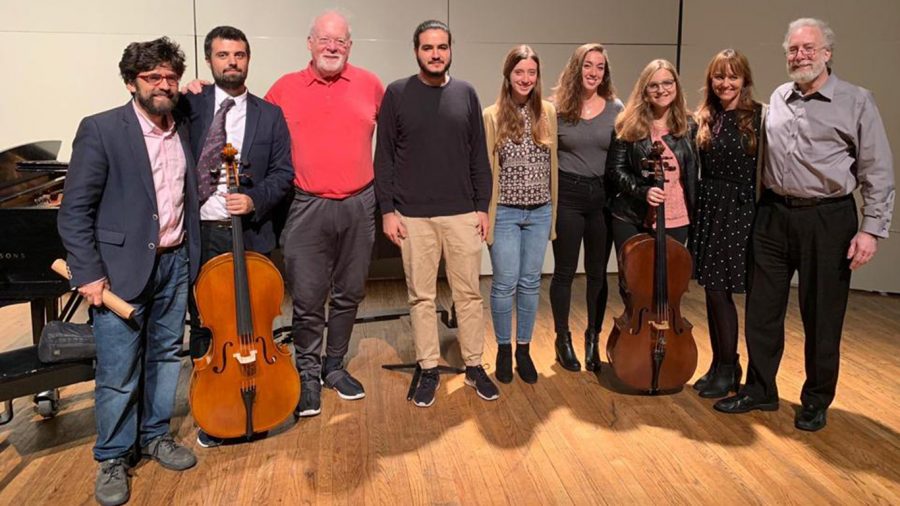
(162, 250)
(300, 192)
(525, 207)
(794, 202)
(216, 223)
(581, 179)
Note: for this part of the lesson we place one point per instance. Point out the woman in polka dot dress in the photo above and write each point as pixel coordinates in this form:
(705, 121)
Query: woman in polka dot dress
(728, 138)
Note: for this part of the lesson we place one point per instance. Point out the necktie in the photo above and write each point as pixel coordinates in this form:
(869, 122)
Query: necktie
(211, 154)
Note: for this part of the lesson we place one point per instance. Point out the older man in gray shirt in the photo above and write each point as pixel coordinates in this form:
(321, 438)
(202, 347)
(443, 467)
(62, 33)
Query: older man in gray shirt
(825, 139)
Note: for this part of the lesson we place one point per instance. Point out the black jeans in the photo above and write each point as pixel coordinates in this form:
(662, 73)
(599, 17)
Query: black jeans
(327, 245)
(581, 217)
(813, 241)
(623, 230)
(215, 239)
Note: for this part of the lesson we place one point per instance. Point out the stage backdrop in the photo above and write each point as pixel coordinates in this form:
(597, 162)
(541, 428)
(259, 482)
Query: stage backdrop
(60, 57)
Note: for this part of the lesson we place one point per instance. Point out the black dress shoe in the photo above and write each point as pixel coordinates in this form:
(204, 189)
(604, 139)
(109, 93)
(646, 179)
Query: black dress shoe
(810, 419)
(743, 403)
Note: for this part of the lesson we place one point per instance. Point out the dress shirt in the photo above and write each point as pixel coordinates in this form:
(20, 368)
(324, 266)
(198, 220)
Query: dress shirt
(827, 143)
(168, 164)
(235, 122)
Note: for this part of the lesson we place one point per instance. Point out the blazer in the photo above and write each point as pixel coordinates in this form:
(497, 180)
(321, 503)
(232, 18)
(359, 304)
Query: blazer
(266, 159)
(109, 220)
(629, 185)
(490, 130)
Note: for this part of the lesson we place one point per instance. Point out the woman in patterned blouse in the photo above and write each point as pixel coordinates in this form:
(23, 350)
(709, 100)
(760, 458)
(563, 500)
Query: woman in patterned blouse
(521, 140)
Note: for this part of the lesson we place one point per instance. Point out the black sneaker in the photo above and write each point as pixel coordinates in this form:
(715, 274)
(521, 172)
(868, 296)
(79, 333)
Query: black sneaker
(346, 386)
(111, 487)
(478, 379)
(428, 384)
(310, 397)
(204, 440)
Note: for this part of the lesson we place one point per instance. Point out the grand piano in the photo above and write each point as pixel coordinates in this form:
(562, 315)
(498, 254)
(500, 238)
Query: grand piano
(31, 183)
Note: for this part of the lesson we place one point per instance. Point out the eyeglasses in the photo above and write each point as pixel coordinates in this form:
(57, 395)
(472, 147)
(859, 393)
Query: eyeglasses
(668, 84)
(339, 42)
(809, 51)
(156, 79)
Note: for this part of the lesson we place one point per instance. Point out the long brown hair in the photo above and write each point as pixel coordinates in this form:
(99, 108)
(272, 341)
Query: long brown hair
(633, 123)
(567, 94)
(724, 62)
(510, 125)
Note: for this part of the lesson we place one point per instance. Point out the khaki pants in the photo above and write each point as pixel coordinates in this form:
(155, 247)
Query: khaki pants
(458, 239)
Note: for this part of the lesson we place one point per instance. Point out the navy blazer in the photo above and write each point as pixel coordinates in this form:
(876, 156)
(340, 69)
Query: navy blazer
(109, 220)
(266, 159)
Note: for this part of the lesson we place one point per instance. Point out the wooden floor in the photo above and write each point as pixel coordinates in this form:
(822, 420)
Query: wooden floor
(569, 439)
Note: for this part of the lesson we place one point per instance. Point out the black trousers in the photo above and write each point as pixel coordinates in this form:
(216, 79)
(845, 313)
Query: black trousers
(215, 239)
(581, 216)
(327, 245)
(812, 241)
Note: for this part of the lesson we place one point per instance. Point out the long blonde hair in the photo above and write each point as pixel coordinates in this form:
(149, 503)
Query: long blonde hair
(567, 94)
(509, 123)
(633, 124)
(711, 107)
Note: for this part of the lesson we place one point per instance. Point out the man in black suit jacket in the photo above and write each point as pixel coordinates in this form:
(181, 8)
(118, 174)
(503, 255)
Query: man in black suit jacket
(259, 131)
(129, 224)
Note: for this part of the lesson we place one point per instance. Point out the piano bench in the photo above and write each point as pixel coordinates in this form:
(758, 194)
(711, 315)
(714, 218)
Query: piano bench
(22, 374)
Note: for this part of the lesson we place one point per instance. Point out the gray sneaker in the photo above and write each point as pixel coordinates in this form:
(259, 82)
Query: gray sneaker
(169, 454)
(111, 487)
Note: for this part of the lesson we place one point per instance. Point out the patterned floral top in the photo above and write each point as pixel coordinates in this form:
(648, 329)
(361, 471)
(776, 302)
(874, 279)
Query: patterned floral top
(524, 170)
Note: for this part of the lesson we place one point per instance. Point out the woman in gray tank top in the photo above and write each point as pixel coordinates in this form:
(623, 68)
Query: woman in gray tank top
(587, 108)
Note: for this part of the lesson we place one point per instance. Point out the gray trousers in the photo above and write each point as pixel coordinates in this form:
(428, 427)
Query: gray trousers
(327, 245)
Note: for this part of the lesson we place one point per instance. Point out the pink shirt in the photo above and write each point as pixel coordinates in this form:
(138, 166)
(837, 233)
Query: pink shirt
(331, 125)
(676, 207)
(169, 166)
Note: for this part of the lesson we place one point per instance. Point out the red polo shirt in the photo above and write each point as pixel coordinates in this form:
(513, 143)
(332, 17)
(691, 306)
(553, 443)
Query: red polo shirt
(331, 125)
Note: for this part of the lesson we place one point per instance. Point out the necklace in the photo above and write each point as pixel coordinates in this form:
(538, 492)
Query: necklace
(587, 107)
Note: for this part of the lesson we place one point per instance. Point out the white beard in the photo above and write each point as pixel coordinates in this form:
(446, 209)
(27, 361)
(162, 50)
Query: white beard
(804, 75)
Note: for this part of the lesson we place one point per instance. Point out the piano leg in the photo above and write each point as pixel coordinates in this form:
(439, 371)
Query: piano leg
(43, 310)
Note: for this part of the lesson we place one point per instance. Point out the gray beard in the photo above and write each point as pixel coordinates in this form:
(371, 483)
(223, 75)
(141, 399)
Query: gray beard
(804, 76)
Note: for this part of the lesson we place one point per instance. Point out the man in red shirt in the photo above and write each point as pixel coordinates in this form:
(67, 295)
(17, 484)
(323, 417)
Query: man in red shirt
(331, 108)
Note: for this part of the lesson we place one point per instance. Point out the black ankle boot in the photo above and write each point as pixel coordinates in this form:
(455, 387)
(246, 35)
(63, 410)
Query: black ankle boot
(524, 365)
(591, 351)
(704, 380)
(565, 354)
(504, 363)
(727, 378)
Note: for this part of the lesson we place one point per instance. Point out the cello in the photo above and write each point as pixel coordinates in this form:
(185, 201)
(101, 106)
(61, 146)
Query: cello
(245, 383)
(651, 347)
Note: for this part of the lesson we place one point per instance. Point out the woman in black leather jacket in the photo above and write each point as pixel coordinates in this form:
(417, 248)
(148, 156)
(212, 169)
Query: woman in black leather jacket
(656, 110)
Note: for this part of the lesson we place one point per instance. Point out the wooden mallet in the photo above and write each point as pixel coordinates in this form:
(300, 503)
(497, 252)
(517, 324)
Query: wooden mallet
(112, 301)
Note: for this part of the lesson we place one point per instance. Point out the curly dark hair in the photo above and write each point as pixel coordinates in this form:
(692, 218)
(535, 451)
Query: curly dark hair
(143, 56)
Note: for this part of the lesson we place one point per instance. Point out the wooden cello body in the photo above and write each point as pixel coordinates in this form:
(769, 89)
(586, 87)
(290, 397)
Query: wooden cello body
(651, 347)
(246, 383)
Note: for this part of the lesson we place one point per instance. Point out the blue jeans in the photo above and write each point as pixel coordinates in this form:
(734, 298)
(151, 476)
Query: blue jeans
(517, 255)
(137, 362)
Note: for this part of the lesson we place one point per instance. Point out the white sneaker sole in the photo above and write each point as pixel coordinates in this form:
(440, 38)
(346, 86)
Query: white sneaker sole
(348, 397)
(309, 412)
(422, 404)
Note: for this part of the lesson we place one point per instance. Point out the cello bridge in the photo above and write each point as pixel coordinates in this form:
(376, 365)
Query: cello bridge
(245, 359)
(661, 325)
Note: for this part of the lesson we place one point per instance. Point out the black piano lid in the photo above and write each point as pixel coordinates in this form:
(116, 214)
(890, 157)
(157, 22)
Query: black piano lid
(33, 151)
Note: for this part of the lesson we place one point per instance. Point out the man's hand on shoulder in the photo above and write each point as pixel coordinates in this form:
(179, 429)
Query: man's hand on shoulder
(194, 87)
(862, 249)
(393, 228)
(93, 291)
(238, 204)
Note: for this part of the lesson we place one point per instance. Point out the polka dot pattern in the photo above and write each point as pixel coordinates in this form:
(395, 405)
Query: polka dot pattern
(725, 209)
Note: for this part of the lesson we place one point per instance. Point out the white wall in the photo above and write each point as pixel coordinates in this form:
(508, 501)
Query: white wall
(61, 57)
